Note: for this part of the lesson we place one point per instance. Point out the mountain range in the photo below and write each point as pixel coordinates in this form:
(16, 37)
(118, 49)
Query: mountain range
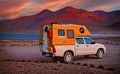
(96, 21)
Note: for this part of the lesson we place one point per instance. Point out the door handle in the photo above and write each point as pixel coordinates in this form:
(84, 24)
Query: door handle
(87, 45)
(77, 45)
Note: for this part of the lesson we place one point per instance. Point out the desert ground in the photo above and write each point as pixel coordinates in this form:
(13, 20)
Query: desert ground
(24, 57)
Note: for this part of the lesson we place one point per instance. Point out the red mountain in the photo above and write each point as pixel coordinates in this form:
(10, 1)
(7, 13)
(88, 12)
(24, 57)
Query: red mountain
(66, 15)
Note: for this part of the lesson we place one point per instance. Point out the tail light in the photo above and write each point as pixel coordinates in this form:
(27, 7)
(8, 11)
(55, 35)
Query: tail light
(54, 50)
(49, 33)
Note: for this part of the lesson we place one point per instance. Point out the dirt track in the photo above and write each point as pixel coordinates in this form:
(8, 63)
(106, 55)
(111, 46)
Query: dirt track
(25, 57)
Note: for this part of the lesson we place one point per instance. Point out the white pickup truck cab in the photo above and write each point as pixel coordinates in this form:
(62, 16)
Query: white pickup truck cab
(83, 46)
(68, 41)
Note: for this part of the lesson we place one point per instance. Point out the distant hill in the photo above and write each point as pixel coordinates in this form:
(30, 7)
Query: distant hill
(115, 25)
(112, 17)
(92, 19)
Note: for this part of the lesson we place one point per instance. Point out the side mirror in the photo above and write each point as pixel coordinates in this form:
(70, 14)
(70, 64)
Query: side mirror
(93, 43)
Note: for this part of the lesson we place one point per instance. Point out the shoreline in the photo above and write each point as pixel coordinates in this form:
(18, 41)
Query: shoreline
(36, 36)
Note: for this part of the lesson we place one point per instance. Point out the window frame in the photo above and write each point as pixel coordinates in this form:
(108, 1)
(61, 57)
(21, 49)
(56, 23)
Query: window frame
(61, 30)
(68, 34)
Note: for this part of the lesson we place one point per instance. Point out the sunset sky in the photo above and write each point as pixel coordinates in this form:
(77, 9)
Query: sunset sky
(11, 9)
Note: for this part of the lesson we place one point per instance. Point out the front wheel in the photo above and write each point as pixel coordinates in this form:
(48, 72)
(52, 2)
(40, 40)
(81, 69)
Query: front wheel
(100, 54)
(68, 57)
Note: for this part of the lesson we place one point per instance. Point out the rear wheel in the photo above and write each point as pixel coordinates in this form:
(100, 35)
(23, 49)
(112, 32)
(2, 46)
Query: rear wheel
(68, 57)
(100, 54)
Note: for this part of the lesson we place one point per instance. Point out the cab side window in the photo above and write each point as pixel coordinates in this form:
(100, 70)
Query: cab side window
(79, 41)
(88, 41)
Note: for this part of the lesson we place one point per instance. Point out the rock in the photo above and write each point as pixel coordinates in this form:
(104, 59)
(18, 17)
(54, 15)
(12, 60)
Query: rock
(111, 69)
(85, 64)
(78, 63)
(91, 65)
(100, 67)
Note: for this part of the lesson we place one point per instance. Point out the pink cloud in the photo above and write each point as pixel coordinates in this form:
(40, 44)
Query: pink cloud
(12, 5)
(105, 6)
(50, 4)
(11, 9)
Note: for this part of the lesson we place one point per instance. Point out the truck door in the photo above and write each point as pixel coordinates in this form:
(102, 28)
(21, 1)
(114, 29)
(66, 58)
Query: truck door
(80, 46)
(45, 39)
(90, 47)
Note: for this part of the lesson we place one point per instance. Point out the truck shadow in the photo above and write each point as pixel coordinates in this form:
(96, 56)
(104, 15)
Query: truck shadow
(84, 58)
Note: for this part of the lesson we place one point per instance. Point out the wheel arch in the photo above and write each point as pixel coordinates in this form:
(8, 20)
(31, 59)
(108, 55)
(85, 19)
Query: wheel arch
(101, 49)
(69, 51)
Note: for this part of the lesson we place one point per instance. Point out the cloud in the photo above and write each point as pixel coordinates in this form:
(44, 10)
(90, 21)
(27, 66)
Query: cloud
(52, 5)
(11, 9)
(106, 6)
(17, 8)
(12, 5)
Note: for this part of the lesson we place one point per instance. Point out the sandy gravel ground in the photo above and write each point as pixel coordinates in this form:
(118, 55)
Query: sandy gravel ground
(24, 57)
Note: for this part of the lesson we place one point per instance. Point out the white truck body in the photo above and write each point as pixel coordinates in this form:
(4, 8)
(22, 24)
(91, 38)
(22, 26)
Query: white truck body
(79, 49)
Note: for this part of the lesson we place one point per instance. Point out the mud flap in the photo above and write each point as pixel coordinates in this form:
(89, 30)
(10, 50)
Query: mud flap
(47, 54)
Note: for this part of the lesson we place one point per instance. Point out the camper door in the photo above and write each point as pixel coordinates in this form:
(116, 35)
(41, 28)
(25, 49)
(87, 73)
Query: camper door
(45, 39)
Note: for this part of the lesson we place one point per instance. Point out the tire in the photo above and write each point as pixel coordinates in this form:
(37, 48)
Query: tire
(68, 57)
(100, 54)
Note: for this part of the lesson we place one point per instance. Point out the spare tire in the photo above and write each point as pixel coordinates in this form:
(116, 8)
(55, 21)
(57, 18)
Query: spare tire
(82, 30)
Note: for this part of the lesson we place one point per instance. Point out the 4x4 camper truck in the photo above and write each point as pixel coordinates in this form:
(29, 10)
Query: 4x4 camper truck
(67, 41)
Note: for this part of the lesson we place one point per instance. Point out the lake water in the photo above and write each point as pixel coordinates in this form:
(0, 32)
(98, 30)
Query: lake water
(28, 36)
(35, 36)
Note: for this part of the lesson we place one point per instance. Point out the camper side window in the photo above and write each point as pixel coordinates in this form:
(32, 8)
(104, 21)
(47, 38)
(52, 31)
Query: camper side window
(61, 32)
(70, 33)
